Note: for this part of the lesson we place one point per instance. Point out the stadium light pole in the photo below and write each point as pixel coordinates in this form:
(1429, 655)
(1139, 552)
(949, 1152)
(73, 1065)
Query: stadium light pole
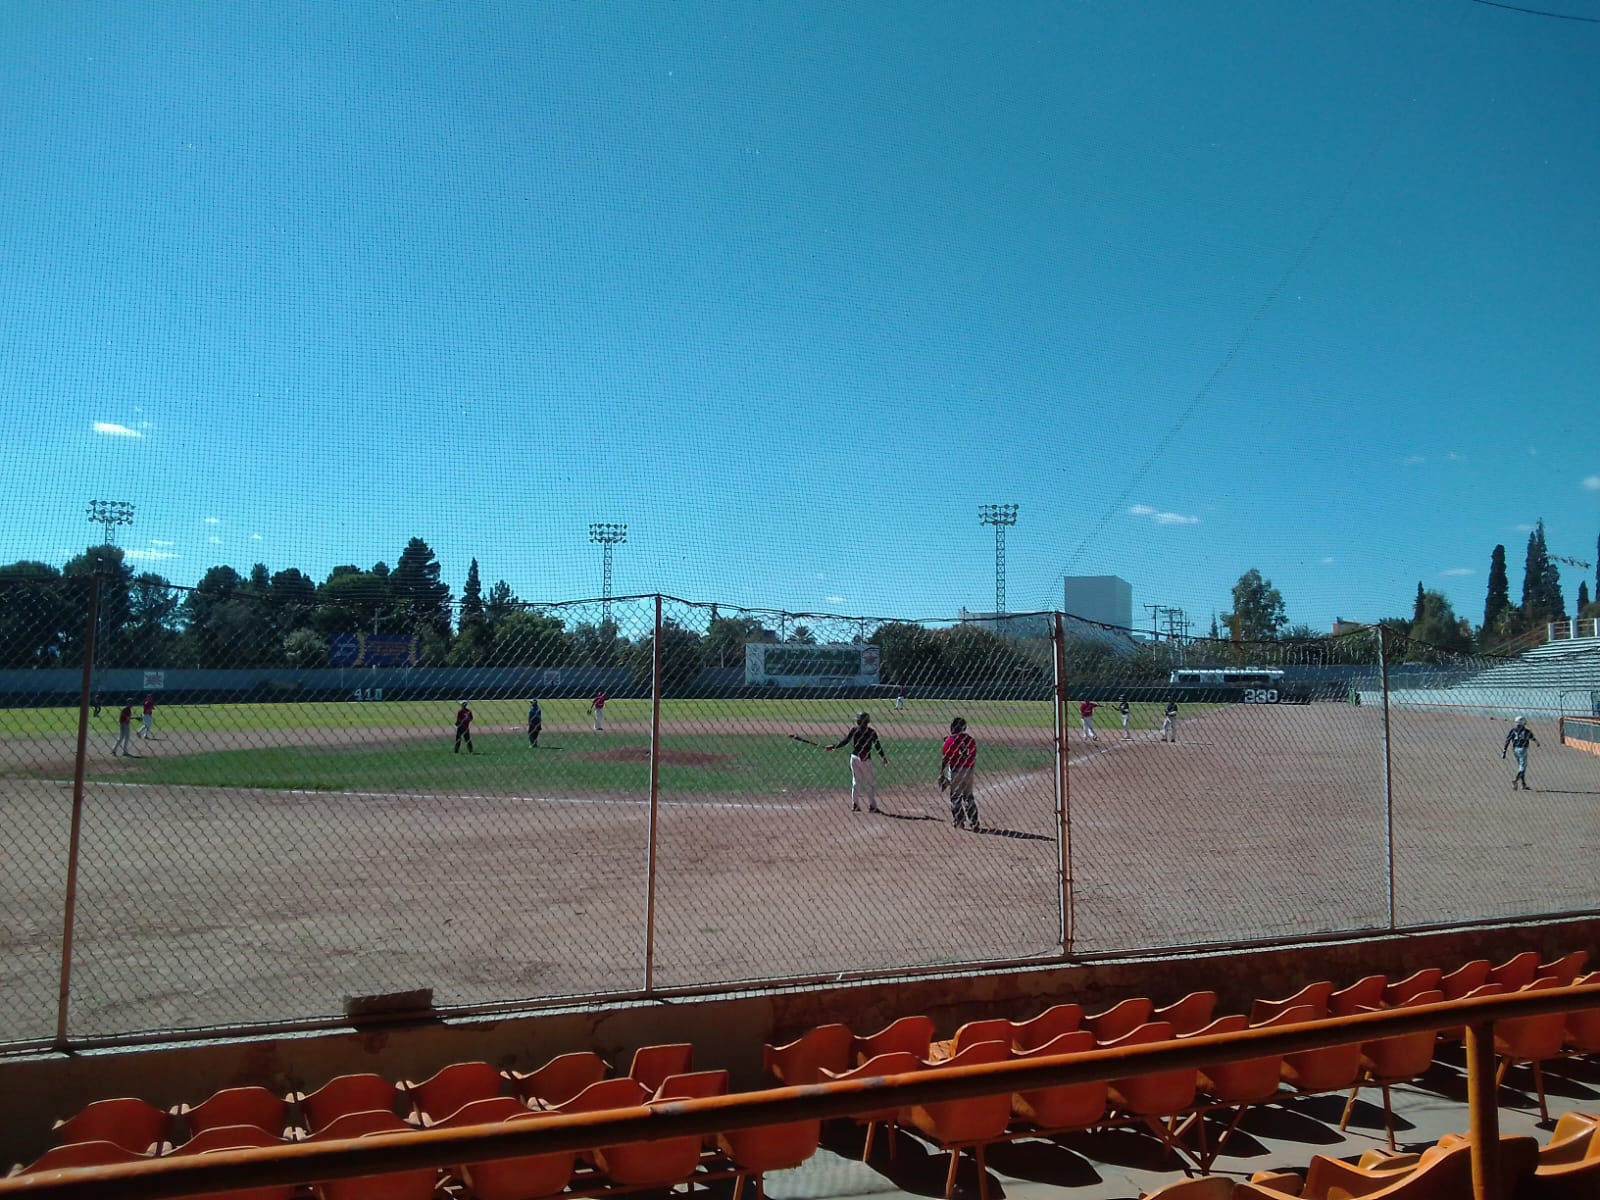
(110, 514)
(607, 534)
(1001, 516)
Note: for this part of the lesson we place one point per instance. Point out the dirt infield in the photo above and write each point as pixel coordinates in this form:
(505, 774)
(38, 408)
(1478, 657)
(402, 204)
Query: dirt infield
(200, 906)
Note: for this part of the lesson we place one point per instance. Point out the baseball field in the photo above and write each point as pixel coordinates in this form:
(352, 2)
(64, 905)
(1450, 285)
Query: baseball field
(261, 862)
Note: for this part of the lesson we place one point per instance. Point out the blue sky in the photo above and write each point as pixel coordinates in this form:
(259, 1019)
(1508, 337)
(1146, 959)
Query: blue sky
(792, 289)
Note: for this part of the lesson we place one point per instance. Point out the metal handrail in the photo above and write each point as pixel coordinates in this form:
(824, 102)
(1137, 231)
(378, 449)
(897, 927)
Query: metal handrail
(306, 1162)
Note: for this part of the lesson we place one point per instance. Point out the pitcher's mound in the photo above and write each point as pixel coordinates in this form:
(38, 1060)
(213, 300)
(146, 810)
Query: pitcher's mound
(677, 758)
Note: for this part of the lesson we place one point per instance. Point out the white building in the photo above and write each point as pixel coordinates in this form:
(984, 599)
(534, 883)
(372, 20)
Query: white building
(1103, 598)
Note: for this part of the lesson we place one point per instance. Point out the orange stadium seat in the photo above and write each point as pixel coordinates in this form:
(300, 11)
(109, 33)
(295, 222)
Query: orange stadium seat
(237, 1106)
(1531, 1040)
(80, 1154)
(485, 1111)
(827, 1047)
(527, 1177)
(912, 1034)
(1568, 1166)
(1425, 980)
(238, 1137)
(652, 1064)
(1046, 1027)
(1516, 972)
(755, 1152)
(447, 1089)
(1583, 1025)
(692, 1085)
(412, 1184)
(1189, 1013)
(347, 1094)
(560, 1079)
(1157, 1099)
(969, 1124)
(1388, 1061)
(990, 1029)
(1067, 1106)
(126, 1121)
(1120, 1019)
(1566, 969)
(1327, 1069)
(1365, 993)
(1315, 994)
(895, 1062)
(1469, 975)
(1240, 1085)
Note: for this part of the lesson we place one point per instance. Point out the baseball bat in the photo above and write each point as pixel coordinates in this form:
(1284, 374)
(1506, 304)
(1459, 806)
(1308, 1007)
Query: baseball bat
(807, 741)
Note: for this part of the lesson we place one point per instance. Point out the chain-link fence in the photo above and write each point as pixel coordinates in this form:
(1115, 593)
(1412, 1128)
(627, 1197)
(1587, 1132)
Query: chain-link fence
(243, 806)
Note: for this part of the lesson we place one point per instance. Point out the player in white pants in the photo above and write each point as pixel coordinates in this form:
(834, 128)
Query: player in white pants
(863, 741)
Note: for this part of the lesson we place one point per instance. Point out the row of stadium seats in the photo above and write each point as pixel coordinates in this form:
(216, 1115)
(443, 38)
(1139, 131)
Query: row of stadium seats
(1176, 1107)
(1567, 1167)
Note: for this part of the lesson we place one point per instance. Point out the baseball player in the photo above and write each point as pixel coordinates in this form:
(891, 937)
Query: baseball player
(598, 707)
(124, 730)
(1169, 723)
(147, 722)
(863, 741)
(535, 722)
(1517, 739)
(1125, 712)
(1086, 714)
(955, 772)
(463, 728)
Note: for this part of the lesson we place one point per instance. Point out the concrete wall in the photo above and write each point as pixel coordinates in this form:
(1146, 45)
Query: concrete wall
(727, 1031)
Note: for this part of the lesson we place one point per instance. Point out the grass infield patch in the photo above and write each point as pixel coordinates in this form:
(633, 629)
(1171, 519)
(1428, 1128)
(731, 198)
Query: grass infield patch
(570, 762)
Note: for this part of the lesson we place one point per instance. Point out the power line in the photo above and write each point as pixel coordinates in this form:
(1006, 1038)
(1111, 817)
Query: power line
(1539, 12)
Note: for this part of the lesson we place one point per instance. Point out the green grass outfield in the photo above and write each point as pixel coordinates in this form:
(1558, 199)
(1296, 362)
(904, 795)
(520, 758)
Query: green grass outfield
(810, 717)
(504, 763)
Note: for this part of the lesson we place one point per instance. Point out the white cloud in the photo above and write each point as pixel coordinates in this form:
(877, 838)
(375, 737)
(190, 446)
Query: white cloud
(1592, 482)
(213, 520)
(111, 429)
(1458, 571)
(1328, 561)
(149, 555)
(1524, 528)
(1454, 457)
(215, 541)
(159, 542)
(255, 537)
(1162, 518)
(834, 599)
(1412, 460)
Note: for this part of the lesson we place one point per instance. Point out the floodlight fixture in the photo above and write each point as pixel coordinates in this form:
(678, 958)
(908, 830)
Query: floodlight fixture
(1000, 516)
(109, 514)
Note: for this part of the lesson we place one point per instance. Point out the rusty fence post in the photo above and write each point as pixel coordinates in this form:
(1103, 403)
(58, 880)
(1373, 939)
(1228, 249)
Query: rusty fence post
(70, 905)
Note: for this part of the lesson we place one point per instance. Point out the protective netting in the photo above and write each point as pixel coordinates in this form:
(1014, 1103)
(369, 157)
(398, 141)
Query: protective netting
(288, 802)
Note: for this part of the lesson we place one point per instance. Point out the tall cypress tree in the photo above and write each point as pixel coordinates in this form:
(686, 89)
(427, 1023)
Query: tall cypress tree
(1416, 611)
(1535, 573)
(1583, 595)
(1498, 601)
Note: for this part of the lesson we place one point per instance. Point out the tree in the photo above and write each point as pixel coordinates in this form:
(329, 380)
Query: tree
(1541, 582)
(416, 587)
(304, 648)
(473, 643)
(116, 578)
(352, 601)
(36, 612)
(1583, 596)
(596, 645)
(1497, 604)
(1438, 628)
(680, 656)
(1258, 612)
(907, 653)
(726, 638)
(154, 613)
(801, 635)
(260, 580)
(501, 601)
(1416, 609)
(293, 597)
(525, 638)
